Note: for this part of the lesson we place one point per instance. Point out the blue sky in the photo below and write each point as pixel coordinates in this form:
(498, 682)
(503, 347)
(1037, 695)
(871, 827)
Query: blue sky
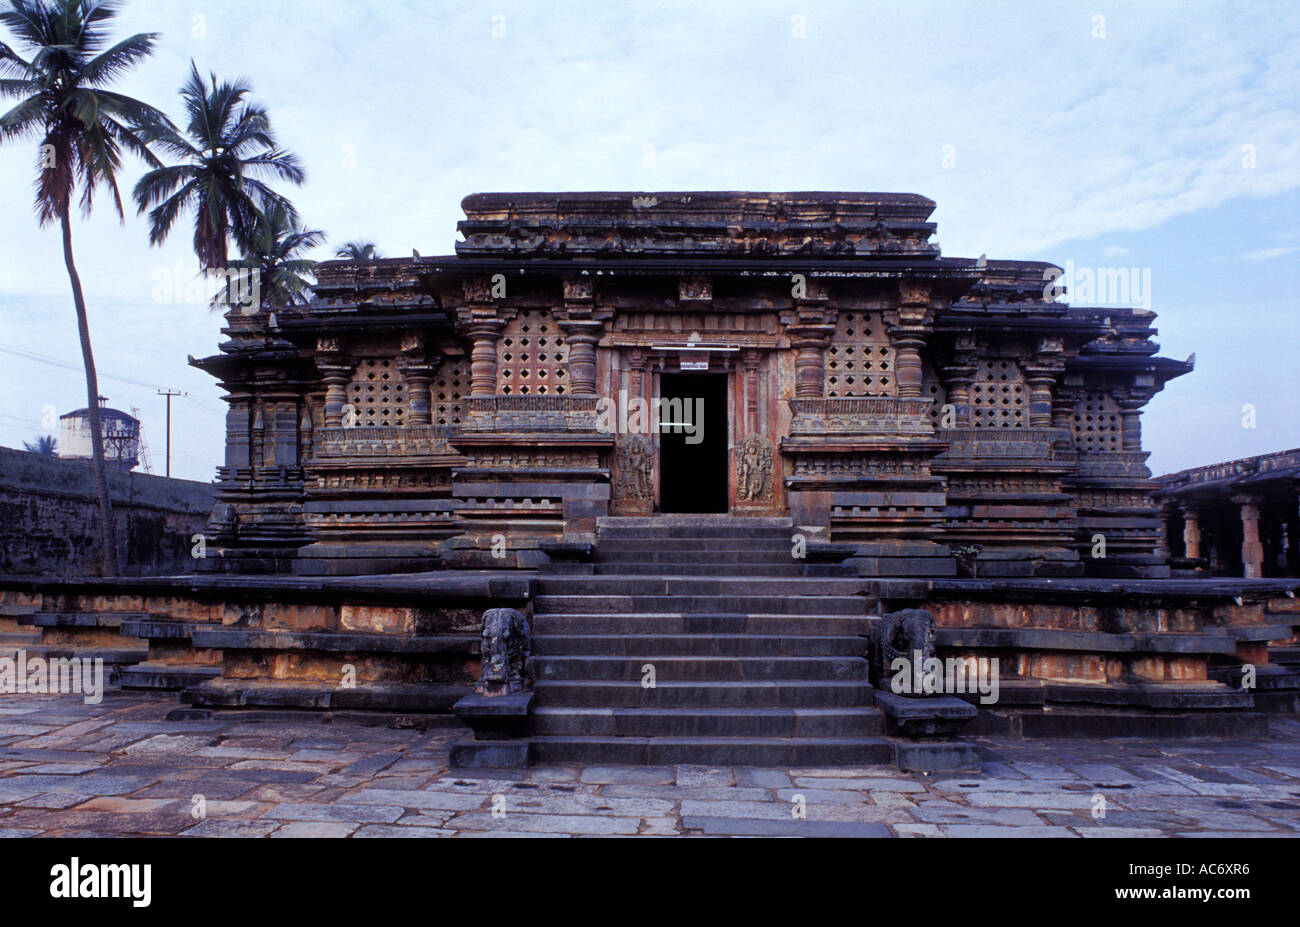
(1164, 137)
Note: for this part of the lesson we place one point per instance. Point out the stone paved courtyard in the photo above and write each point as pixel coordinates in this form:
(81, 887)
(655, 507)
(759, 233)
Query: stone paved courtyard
(120, 769)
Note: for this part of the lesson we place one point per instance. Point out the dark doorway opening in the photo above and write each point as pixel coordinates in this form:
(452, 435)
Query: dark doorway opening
(693, 442)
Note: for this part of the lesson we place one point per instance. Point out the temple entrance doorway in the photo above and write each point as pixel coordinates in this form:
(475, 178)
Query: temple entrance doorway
(693, 443)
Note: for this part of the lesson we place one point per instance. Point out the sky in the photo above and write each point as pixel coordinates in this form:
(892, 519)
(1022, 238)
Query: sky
(1161, 138)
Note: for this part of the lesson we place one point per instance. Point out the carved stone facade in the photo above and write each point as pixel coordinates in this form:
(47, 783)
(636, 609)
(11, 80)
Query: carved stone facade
(465, 410)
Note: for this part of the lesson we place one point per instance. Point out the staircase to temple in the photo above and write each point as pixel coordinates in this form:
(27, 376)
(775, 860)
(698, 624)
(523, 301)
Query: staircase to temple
(751, 662)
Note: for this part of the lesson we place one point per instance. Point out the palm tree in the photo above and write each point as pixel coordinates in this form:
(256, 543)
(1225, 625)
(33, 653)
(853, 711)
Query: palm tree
(359, 251)
(62, 89)
(283, 276)
(44, 445)
(227, 153)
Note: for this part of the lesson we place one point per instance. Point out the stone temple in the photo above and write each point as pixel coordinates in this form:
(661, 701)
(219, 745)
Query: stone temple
(816, 356)
(675, 477)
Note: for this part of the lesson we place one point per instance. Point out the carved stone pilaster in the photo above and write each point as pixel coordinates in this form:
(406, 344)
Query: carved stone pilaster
(306, 432)
(418, 370)
(1064, 401)
(581, 337)
(636, 365)
(336, 371)
(483, 335)
(582, 330)
(750, 363)
(1041, 374)
(810, 327)
(909, 335)
(1131, 421)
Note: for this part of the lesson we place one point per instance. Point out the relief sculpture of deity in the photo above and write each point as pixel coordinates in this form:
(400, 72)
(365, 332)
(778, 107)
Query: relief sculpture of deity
(754, 471)
(635, 468)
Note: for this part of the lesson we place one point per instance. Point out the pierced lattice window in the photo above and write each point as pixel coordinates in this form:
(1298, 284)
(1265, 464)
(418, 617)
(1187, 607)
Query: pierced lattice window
(377, 395)
(1097, 423)
(999, 397)
(932, 387)
(449, 386)
(532, 358)
(860, 360)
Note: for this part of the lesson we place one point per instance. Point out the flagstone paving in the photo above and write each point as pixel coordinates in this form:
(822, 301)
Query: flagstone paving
(120, 769)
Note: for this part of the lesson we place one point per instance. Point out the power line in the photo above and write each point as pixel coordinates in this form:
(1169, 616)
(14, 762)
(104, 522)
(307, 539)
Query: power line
(201, 404)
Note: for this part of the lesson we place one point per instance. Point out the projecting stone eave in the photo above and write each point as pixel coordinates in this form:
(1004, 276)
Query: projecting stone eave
(570, 204)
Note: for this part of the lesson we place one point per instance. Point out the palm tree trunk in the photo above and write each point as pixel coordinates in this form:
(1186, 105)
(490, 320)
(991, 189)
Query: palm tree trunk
(107, 527)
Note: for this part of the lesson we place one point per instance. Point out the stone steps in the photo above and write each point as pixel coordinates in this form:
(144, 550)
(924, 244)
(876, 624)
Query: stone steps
(782, 589)
(116, 659)
(765, 693)
(706, 604)
(167, 677)
(112, 620)
(754, 662)
(697, 568)
(713, 751)
(709, 722)
(18, 639)
(699, 645)
(679, 623)
(697, 668)
(770, 547)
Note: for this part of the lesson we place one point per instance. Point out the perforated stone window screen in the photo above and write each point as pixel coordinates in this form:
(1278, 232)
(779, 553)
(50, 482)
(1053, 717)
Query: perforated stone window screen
(930, 386)
(532, 358)
(999, 397)
(377, 395)
(449, 386)
(860, 360)
(1097, 423)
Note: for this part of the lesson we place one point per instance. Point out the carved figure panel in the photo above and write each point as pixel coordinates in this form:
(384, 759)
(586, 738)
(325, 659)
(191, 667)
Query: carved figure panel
(754, 469)
(635, 469)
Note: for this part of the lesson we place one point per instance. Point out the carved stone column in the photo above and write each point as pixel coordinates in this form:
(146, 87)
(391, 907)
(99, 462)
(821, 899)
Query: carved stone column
(1252, 551)
(810, 343)
(1130, 417)
(337, 374)
(582, 330)
(1063, 404)
(1040, 377)
(418, 374)
(483, 335)
(909, 336)
(1191, 532)
(581, 337)
(810, 325)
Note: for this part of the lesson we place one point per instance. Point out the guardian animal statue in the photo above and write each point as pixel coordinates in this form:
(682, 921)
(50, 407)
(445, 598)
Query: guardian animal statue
(505, 652)
(900, 634)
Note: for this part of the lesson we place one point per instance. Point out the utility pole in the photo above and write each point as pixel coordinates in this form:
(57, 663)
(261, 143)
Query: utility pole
(169, 393)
